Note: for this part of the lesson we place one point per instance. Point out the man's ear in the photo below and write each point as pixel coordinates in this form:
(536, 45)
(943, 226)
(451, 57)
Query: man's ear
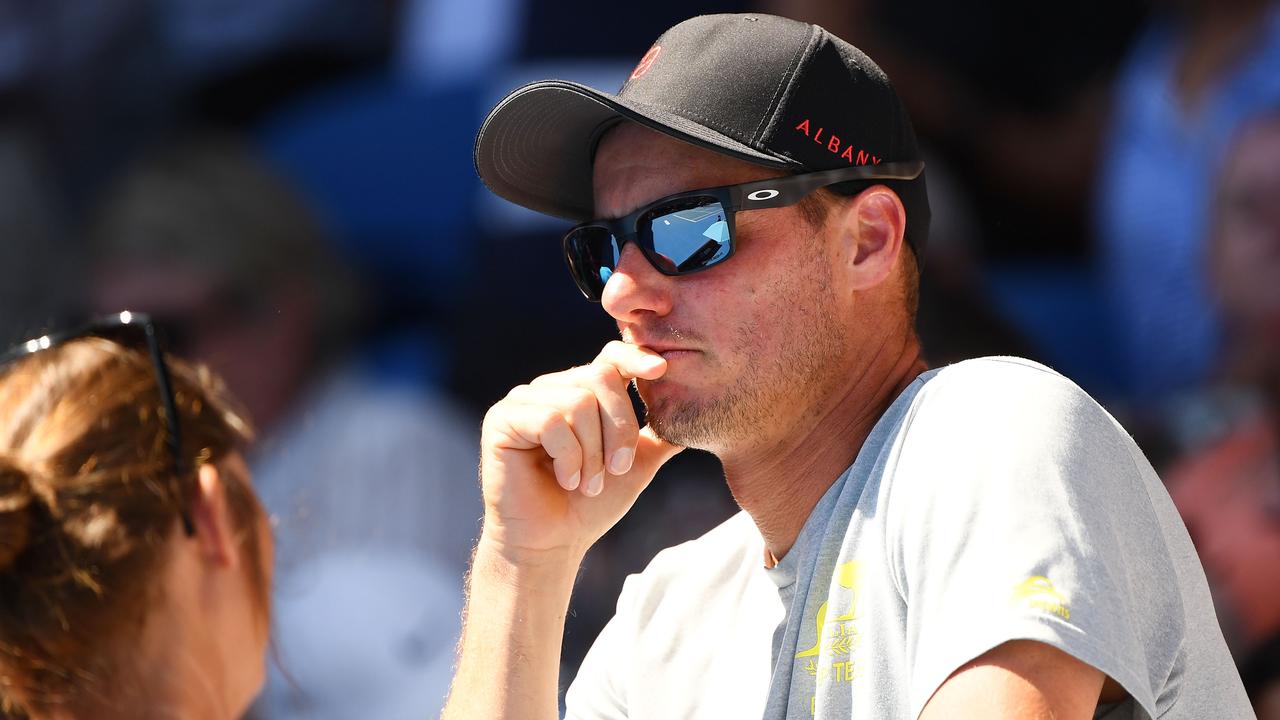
(214, 532)
(874, 223)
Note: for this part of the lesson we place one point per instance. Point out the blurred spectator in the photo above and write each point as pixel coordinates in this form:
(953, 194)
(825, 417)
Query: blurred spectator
(111, 606)
(1229, 491)
(1196, 74)
(372, 481)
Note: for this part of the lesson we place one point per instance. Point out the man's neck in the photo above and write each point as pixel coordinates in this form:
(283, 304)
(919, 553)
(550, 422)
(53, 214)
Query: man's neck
(778, 482)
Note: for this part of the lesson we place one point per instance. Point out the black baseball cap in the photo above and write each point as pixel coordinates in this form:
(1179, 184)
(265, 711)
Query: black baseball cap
(772, 91)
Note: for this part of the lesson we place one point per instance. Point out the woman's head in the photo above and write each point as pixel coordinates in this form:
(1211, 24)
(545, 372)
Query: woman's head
(105, 600)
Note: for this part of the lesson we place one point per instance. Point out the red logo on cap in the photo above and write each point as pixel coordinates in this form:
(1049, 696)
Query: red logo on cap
(646, 62)
(833, 143)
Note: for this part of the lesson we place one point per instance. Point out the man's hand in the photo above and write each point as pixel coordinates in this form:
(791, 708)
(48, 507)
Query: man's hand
(563, 458)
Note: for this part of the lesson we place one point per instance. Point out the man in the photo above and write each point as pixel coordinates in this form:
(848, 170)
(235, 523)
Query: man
(973, 542)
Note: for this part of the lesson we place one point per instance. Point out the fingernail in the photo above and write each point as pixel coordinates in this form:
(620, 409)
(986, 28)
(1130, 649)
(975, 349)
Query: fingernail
(573, 481)
(653, 361)
(621, 461)
(595, 485)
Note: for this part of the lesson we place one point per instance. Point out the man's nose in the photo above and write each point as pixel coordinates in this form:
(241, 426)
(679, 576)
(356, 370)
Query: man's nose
(636, 288)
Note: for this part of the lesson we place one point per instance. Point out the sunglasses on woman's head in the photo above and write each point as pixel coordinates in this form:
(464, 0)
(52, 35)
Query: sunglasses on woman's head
(694, 230)
(135, 331)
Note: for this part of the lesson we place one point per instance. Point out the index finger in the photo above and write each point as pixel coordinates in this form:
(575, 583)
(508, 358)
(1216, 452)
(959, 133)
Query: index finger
(632, 361)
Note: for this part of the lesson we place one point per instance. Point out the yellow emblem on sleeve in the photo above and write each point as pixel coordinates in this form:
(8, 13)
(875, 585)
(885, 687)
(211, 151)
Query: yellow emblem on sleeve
(1036, 592)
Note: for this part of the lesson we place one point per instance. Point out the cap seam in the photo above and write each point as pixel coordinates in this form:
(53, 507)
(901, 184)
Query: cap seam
(785, 84)
(706, 122)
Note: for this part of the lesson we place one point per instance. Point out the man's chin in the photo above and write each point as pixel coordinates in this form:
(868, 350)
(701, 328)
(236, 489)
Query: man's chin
(676, 433)
(701, 423)
(686, 424)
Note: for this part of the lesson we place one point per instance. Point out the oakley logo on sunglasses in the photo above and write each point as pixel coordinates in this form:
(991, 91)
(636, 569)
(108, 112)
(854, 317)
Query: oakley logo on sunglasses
(763, 195)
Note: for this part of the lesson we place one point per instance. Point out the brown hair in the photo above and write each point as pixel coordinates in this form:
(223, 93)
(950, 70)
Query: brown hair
(88, 505)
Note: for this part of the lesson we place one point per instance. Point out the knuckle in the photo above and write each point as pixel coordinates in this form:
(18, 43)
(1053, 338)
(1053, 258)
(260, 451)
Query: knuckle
(549, 419)
(584, 401)
(604, 373)
(495, 414)
(550, 378)
(563, 377)
(626, 427)
(565, 451)
(545, 420)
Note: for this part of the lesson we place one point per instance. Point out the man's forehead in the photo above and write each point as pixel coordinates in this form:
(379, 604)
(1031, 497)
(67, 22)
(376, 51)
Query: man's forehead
(635, 165)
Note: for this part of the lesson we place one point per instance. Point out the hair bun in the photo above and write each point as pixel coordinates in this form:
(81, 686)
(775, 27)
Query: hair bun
(15, 511)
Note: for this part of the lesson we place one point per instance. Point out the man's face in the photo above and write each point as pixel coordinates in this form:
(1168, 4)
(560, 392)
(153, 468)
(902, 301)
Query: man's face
(751, 344)
(261, 353)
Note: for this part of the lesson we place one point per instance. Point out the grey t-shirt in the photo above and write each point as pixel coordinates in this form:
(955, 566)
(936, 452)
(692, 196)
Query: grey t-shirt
(993, 501)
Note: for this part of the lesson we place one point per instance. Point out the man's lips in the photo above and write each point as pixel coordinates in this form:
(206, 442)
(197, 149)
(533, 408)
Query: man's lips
(667, 350)
(668, 342)
(676, 353)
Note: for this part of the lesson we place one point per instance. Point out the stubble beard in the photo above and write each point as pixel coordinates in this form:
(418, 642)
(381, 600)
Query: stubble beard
(777, 385)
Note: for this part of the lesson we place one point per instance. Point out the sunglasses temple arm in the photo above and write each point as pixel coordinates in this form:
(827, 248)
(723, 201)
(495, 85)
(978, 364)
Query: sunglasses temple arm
(171, 419)
(789, 190)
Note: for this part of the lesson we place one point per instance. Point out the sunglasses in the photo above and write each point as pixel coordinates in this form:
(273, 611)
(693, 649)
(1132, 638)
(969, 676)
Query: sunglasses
(135, 331)
(691, 231)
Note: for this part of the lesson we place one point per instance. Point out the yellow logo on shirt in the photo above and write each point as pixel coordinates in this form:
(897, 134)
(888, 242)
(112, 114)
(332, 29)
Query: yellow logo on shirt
(849, 576)
(836, 633)
(1038, 593)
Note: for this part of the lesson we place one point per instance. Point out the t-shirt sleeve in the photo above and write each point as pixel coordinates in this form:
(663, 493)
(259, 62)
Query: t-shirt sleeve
(597, 691)
(1021, 510)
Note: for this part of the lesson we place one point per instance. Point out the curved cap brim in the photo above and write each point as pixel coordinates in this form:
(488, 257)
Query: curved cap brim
(536, 147)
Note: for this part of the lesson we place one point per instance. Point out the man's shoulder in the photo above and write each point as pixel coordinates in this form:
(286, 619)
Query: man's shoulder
(996, 370)
(1005, 404)
(1002, 384)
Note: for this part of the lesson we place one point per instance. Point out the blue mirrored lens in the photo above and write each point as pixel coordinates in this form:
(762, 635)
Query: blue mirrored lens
(593, 254)
(679, 237)
(690, 238)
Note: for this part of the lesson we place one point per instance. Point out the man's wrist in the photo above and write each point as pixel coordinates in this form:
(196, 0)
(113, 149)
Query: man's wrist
(517, 566)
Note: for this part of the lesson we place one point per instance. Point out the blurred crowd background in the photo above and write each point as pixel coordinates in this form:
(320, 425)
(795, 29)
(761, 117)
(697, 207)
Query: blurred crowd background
(287, 186)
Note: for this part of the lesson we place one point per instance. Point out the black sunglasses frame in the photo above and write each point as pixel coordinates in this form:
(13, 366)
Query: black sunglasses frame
(126, 328)
(755, 195)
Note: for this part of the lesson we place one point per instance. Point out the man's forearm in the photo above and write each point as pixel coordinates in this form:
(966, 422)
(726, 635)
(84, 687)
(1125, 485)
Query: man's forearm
(509, 663)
